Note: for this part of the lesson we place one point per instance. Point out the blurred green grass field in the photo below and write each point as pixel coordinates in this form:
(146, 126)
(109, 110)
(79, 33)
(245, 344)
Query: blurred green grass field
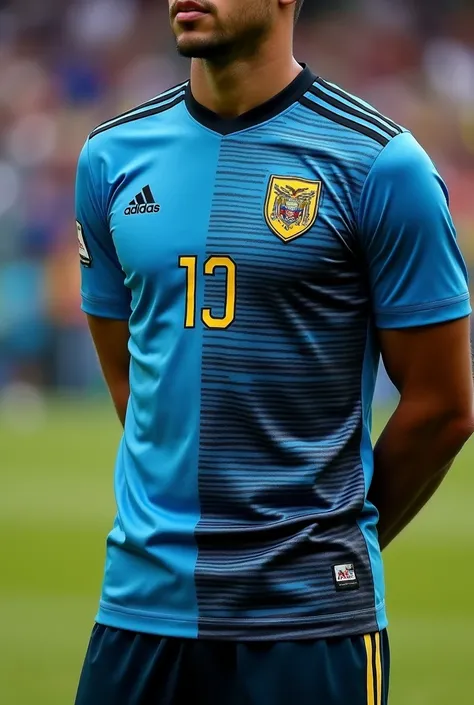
(56, 506)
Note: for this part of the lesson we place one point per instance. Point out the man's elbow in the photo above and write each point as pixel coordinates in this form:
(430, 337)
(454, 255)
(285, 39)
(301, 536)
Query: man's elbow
(462, 426)
(457, 419)
(451, 419)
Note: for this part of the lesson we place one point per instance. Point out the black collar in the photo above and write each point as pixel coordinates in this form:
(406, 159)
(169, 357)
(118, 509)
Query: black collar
(273, 107)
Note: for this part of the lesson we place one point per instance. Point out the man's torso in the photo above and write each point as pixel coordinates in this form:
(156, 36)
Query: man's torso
(242, 477)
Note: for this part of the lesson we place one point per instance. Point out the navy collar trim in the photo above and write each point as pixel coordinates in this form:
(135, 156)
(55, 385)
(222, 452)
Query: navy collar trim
(262, 113)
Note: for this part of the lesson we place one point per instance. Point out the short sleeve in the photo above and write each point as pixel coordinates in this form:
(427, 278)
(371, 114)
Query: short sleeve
(416, 271)
(103, 289)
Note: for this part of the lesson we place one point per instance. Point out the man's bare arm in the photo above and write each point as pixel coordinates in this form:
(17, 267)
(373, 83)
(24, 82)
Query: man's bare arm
(431, 368)
(111, 342)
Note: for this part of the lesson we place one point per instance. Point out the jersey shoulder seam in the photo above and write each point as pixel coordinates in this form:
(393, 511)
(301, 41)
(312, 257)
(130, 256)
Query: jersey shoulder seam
(161, 103)
(96, 192)
(335, 104)
(372, 167)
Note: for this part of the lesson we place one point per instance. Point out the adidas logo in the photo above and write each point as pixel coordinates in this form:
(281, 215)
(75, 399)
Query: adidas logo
(143, 202)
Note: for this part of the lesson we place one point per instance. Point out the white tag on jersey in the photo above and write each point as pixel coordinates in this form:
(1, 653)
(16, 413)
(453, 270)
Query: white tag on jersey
(345, 576)
(84, 255)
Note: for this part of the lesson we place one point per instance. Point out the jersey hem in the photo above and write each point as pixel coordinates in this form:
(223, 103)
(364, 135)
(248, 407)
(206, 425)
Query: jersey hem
(279, 629)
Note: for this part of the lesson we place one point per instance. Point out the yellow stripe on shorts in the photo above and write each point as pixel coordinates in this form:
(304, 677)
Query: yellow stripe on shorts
(370, 670)
(374, 668)
(378, 669)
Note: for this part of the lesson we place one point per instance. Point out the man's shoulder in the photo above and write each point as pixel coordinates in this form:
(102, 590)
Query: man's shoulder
(159, 105)
(348, 122)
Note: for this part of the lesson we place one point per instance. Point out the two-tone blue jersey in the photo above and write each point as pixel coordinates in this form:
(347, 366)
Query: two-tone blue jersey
(255, 259)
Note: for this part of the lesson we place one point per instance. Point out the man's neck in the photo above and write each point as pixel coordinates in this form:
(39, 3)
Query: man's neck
(232, 90)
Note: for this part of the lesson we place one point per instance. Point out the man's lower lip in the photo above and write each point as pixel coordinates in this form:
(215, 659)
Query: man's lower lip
(190, 16)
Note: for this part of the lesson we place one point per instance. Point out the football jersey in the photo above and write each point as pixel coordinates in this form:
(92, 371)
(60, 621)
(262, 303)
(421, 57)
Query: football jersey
(255, 258)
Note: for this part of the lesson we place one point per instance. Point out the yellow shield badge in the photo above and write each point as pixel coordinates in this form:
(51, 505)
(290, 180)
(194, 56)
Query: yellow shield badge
(291, 206)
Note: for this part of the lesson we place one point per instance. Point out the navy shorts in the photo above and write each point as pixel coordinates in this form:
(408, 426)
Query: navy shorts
(127, 668)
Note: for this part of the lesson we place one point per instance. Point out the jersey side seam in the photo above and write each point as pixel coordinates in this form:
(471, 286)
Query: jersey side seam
(366, 488)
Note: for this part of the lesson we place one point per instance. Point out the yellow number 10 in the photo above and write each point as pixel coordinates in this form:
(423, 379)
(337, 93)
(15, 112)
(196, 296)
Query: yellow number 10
(210, 266)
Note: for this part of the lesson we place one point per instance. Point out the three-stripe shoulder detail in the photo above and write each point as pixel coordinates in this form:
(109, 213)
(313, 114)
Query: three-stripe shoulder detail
(165, 101)
(343, 108)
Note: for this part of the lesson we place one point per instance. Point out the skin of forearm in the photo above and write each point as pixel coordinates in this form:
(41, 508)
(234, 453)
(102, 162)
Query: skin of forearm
(120, 393)
(387, 535)
(411, 459)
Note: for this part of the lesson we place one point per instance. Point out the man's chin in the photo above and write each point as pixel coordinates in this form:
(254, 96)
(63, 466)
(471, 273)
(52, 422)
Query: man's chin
(194, 48)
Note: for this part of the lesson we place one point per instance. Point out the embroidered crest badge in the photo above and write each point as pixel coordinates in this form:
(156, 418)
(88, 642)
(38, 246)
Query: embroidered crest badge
(291, 206)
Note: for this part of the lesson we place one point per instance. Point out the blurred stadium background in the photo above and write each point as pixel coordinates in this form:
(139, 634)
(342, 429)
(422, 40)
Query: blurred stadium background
(66, 65)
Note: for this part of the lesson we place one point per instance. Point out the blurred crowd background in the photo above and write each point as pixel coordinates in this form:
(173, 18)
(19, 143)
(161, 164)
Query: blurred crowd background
(67, 65)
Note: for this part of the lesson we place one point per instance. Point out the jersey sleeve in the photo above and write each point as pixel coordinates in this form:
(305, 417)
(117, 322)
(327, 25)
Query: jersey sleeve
(103, 289)
(416, 271)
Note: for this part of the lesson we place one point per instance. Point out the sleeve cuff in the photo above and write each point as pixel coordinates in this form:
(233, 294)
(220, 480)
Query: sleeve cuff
(415, 316)
(105, 309)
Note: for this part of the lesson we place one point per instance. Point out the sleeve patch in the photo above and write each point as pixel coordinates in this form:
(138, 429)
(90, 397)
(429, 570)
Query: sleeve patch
(84, 254)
